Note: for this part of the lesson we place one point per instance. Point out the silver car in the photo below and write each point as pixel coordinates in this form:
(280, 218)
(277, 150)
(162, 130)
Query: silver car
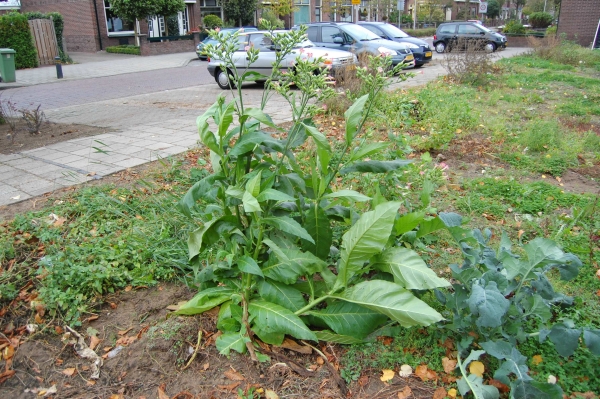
(334, 60)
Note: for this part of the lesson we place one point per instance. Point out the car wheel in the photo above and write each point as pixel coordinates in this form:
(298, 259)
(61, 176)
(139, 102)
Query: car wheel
(222, 79)
(490, 47)
(440, 47)
(418, 65)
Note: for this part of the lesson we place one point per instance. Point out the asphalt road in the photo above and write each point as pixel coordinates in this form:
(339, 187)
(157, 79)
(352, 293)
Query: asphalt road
(85, 91)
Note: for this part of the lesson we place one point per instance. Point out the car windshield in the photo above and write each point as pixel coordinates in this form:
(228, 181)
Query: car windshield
(359, 33)
(392, 31)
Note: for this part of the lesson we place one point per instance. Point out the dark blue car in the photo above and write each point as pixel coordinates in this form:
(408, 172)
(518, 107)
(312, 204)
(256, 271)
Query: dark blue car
(420, 48)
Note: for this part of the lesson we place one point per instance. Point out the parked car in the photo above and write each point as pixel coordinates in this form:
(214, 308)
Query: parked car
(449, 34)
(420, 48)
(200, 46)
(306, 50)
(357, 39)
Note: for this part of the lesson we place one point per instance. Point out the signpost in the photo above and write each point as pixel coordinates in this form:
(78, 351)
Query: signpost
(354, 4)
(400, 8)
(483, 7)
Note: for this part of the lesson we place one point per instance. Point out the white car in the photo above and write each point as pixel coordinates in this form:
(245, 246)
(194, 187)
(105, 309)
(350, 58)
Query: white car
(306, 50)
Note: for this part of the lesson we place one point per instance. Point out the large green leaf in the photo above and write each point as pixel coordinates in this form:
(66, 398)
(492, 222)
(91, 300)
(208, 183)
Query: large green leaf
(520, 389)
(375, 166)
(317, 225)
(592, 340)
(231, 341)
(328, 336)
(542, 252)
(366, 238)
(273, 318)
(206, 136)
(205, 300)
(408, 222)
(348, 194)
(393, 301)
(480, 390)
(250, 203)
(353, 116)
(230, 317)
(514, 362)
(271, 194)
(225, 119)
(286, 265)
(290, 226)
(564, 338)
(318, 137)
(488, 304)
(409, 269)
(248, 141)
(366, 149)
(536, 306)
(199, 190)
(281, 294)
(196, 238)
(259, 115)
(247, 264)
(350, 319)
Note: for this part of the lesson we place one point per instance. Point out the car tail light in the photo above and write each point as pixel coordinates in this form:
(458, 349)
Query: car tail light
(208, 59)
(434, 37)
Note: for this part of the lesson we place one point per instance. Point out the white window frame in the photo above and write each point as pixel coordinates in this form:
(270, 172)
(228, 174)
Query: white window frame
(116, 34)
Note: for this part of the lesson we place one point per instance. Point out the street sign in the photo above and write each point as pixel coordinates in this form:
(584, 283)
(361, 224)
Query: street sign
(483, 7)
(355, 2)
(400, 6)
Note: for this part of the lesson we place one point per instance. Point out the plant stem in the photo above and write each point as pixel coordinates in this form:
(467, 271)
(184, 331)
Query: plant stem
(311, 305)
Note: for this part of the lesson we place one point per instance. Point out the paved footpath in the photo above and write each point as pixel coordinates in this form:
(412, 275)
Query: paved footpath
(171, 91)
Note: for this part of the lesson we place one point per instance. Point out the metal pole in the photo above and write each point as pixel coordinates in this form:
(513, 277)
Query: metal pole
(415, 15)
(59, 74)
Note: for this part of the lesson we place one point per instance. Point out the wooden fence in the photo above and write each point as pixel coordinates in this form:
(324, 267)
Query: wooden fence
(44, 37)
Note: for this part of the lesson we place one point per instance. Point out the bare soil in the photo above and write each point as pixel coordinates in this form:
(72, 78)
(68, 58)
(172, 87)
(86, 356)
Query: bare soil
(155, 348)
(50, 133)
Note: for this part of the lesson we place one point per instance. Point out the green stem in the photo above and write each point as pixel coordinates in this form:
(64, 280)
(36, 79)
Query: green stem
(311, 305)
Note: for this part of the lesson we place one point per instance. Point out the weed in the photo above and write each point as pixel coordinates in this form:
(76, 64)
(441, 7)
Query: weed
(472, 66)
(33, 119)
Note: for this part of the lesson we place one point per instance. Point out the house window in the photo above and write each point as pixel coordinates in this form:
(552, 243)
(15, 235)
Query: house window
(115, 24)
(318, 10)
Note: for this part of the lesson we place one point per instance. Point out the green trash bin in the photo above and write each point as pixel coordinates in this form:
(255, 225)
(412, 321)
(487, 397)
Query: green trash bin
(7, 65)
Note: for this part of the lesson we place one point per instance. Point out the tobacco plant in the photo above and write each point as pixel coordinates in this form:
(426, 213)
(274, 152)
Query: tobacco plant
(280, 246)
(500, 299)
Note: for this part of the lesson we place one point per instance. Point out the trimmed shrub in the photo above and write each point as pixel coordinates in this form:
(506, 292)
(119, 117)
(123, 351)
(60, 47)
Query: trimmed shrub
(514, 27)
(425, 32)
(551, 30)
(124, 49)
(212, 22)
(540, 20)
(59, 25)
(15, 34)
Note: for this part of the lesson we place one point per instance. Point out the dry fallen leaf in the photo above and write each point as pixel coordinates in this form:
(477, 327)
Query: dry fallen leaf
(449, 365)
(501, 387)
(294, 346)
(271, 394)
(387, 375)
(405, 392)
(537, 359)
(229, 387)
(205, 366)
(439, 393)
(452, 393)
(116, 396)
(424, 373)
(234, 375)
(69, 372)
(94, 341)
(161, 392)
(477, 368)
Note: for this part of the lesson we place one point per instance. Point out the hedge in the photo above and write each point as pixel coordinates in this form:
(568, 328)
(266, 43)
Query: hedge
(124, 49)
(15, 34)
(425, 32)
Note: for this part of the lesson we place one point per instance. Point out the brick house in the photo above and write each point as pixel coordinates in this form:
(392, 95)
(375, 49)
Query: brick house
(579, 19)
(90, 26)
